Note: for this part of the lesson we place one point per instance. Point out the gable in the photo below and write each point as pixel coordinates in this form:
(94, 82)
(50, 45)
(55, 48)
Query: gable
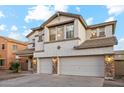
(60, 19)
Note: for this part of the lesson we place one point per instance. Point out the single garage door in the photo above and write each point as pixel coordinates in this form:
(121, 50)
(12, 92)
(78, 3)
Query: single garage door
(45, 66)
(84, 66)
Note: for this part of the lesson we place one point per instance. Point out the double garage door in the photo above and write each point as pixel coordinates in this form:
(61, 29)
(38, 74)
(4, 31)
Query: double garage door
(83, 66)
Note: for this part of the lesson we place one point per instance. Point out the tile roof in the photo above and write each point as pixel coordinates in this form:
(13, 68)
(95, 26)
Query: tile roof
(96, 43)
(25, 52)
(13, 40)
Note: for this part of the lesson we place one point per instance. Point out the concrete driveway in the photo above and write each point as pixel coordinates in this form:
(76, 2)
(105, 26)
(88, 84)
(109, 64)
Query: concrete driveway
(45, 80)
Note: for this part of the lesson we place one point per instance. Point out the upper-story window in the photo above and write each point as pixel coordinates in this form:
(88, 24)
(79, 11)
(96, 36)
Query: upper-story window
(52, 33)
(3, 46)
(14, 47)
(70, 31)
(102, 32)
(40, 38)
(2, 62)
(33, 42)
(60, 33)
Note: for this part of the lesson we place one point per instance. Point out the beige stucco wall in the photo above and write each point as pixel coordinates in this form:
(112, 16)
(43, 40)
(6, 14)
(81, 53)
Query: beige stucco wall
(119, 57)
(30, 39)
(60, 19)
(88, 32)
(81, 32)
(38, 45)
(108, 31)
(67, 49)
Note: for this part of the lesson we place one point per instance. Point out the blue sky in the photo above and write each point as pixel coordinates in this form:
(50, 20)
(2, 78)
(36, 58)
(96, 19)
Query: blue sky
(16, 21)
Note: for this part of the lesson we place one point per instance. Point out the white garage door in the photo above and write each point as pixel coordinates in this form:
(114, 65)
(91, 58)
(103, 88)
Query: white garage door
(84, 66)
(45, 66)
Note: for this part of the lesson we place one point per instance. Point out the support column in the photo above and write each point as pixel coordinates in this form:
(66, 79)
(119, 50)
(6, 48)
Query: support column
(38, 66)
(109, 67)
(29, 64)
(58, 63)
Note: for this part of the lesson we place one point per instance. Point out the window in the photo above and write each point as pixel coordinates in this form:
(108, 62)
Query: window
(33, 42)
(102, 32)
(70, 31)
(60, 33)
(2, 62)
(52, 33)
(40, 38)
(14, 47)
(3, 46)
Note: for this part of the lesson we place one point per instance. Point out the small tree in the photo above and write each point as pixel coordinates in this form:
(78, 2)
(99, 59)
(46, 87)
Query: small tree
(15, 66)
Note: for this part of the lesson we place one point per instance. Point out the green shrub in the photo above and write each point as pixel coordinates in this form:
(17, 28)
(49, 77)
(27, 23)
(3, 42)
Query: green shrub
(15, 66)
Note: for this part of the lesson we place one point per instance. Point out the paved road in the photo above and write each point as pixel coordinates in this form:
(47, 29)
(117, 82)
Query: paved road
(45, 80)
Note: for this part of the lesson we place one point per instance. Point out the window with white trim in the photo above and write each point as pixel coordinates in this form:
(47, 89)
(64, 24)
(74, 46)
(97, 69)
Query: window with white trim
(102, 32)
(14, 47)
(52, 34)
(70, 31)
(60, 33)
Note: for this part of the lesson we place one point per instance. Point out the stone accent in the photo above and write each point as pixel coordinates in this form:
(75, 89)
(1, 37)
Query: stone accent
(109, 67)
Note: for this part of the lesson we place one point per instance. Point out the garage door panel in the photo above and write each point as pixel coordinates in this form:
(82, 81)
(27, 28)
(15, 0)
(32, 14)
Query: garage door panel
(45, 66)
(85, 66)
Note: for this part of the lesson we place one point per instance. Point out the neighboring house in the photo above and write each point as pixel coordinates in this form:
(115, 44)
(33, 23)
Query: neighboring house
(65, 44)
(8, 47)
(119, 63)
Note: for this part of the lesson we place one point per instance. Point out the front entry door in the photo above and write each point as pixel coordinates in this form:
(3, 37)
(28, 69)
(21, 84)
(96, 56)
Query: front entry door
(55, 61)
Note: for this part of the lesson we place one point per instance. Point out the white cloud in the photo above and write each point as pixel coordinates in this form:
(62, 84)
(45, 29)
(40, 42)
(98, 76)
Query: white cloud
(60, 8)
(78, 9)
(120, 45)
(89, 21)
(24, 27)
(115, 10)
(15, 35)
(1, 14)
(2, 27)
(43, 12)
(14, 28)
(26, 32)
(110, 19)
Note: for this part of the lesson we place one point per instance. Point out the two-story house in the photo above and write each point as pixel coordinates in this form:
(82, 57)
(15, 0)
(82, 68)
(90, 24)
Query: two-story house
(65, 44)
(8, 48)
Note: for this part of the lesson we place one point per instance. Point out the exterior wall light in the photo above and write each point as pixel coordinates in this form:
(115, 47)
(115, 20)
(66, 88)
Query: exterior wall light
(59, 35)
(34, 62)
(109, 59)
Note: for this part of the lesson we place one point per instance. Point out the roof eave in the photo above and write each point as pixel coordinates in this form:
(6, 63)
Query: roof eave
(104, 24)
